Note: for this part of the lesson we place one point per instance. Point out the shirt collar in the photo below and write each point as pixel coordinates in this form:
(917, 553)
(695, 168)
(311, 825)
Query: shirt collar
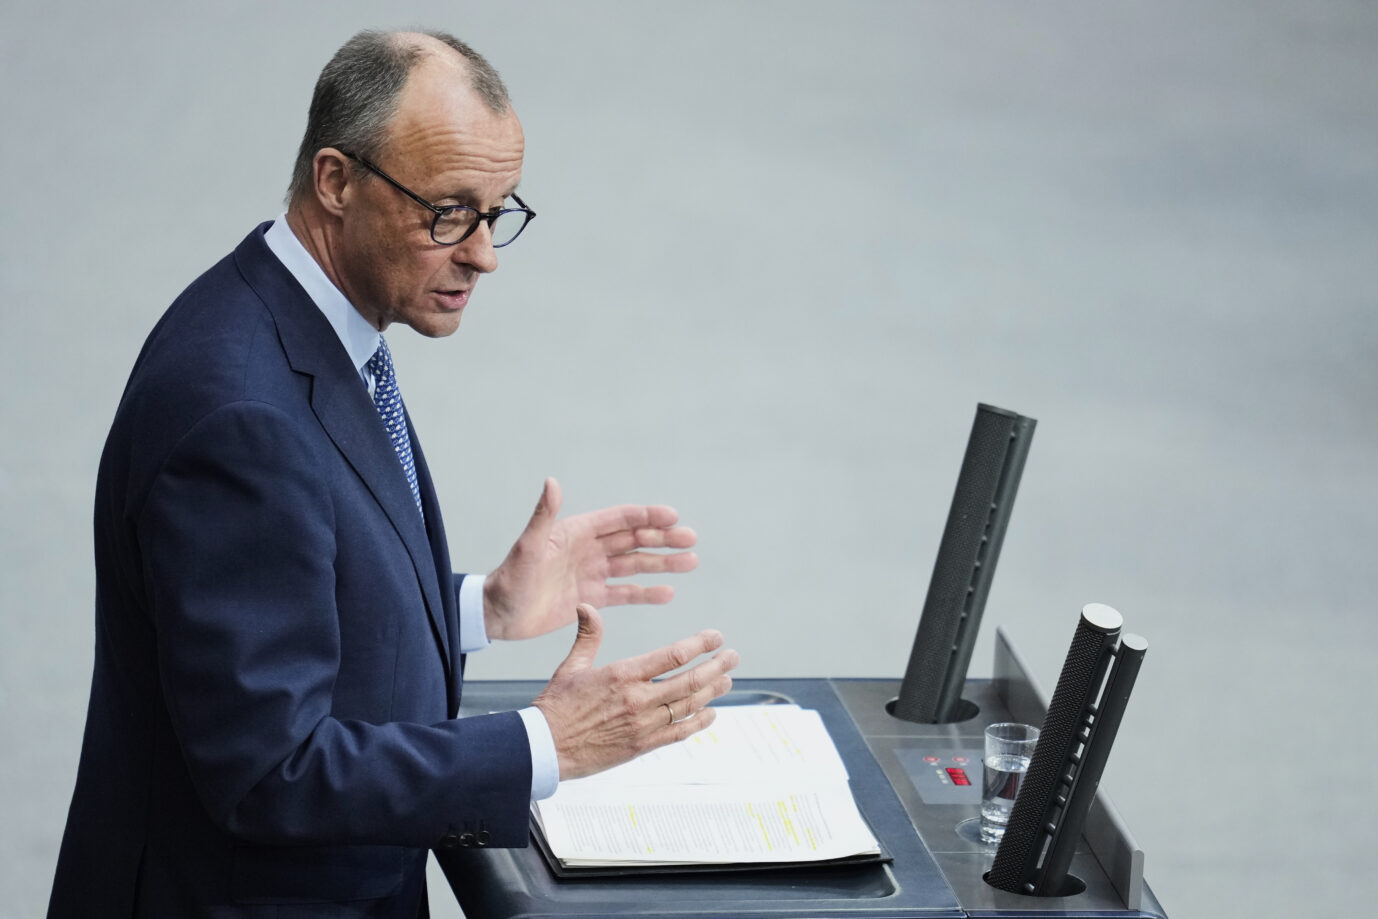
(359, 337)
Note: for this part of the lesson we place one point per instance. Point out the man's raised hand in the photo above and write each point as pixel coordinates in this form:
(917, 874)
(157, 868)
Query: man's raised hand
(556, 564)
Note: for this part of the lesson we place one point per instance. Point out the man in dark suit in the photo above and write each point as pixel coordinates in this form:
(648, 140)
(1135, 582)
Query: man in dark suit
(279, 638)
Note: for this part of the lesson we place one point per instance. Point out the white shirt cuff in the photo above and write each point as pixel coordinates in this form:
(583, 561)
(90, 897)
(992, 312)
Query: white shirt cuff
(545, 763)
(472, 634)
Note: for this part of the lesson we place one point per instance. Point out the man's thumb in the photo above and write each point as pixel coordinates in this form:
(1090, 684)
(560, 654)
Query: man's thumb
(586, 640)
(548, 506)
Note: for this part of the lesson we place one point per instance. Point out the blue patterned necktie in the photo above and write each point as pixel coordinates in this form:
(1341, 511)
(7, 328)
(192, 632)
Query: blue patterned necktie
(387, 398)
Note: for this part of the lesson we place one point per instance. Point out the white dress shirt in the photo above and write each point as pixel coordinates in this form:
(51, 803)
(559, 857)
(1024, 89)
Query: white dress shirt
(360, 340)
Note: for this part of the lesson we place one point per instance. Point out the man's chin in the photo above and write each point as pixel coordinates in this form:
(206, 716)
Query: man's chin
(436, 325)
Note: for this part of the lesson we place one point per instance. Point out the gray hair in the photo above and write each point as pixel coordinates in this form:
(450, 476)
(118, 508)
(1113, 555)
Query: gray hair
(358, 91)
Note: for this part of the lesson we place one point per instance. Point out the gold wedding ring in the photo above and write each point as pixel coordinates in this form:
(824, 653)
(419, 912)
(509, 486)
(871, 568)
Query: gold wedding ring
(669, 711)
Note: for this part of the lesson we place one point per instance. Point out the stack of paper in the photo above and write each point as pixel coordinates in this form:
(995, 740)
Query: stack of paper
(763, 784)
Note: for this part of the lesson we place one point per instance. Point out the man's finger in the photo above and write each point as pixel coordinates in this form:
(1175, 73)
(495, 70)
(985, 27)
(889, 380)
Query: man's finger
(621, 541)
(699, 685)
(690, 705)
(673, 656)
(633, 563)
(682, 727)
(631, 517)
(636, 594)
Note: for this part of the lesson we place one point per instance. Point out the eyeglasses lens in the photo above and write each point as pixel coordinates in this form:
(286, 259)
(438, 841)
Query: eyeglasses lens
(451, 226)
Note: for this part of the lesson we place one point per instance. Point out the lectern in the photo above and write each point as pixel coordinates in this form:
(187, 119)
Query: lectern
(907, 780)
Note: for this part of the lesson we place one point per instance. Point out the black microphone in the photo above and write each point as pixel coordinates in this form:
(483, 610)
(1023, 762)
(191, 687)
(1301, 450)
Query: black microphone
(1073, 746)
(931, 692)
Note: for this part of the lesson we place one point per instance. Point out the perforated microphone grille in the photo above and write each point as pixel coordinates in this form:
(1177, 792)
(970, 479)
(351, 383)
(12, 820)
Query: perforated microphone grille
(965, 565)
(1025, 834)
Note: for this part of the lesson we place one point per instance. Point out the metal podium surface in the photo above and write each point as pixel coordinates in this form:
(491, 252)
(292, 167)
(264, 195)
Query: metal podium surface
(902, 778)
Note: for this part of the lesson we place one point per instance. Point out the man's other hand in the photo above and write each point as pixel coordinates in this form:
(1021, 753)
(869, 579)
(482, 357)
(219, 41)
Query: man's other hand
(600, 717)
(557, 564)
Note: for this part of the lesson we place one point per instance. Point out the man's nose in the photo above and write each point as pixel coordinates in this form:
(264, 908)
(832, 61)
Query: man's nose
(477, 251)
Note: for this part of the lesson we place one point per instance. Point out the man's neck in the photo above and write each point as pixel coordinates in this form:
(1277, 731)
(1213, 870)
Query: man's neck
(314, 236)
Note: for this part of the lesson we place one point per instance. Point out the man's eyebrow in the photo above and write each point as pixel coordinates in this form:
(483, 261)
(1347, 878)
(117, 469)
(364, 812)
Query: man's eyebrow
(468, 197)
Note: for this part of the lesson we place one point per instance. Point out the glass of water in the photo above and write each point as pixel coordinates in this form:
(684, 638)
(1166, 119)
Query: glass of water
(1009, 746)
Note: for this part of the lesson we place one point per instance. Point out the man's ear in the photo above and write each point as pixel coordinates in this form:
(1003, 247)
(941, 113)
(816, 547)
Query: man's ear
(332, 177)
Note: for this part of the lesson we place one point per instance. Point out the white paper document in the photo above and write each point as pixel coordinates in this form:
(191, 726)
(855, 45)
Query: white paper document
(763, 784)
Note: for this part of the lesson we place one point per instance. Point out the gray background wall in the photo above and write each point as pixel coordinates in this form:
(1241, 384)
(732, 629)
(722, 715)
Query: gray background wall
(783, 250)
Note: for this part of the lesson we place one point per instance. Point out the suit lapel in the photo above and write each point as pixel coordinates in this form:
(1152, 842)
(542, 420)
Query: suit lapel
(344, 409)
(440, 552)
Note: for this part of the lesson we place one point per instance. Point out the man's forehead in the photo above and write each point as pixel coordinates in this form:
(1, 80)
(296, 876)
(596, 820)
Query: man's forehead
(458, 131)
(439, 92)
(450, 142)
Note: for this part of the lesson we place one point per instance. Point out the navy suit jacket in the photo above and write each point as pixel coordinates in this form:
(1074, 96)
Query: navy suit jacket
(277, 668)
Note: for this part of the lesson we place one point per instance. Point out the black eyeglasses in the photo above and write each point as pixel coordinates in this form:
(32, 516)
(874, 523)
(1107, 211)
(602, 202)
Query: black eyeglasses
(454, 223)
